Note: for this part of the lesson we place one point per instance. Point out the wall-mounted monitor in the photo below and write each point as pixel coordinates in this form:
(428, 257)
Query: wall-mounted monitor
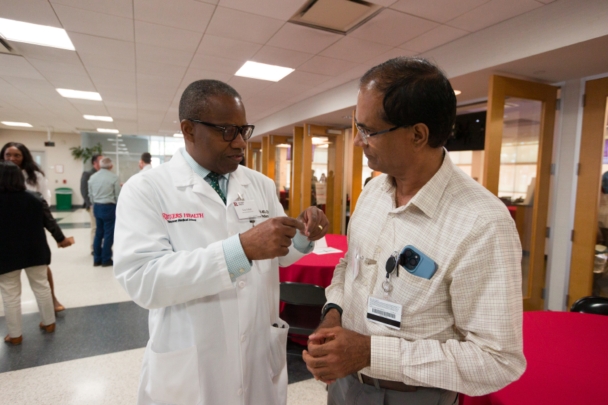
(469, 132)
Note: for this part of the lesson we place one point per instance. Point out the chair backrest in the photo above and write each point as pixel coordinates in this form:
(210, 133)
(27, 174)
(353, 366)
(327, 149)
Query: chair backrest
(302, 294)
(591, 305)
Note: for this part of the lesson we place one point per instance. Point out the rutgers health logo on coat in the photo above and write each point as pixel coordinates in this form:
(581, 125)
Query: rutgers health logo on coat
(183, 217)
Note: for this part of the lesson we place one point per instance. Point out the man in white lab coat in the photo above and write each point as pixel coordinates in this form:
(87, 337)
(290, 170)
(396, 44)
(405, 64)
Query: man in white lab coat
(198, 242)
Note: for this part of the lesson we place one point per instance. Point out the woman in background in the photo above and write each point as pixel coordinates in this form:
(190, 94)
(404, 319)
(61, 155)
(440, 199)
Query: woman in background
(22, 246)
(35, 181)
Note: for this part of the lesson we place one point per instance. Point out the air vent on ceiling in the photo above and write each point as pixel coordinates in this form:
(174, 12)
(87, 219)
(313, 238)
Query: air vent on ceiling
(4, 46)
(340, 16)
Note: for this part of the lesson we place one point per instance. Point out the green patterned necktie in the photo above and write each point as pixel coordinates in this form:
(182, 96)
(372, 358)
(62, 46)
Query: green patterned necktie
(214, 177)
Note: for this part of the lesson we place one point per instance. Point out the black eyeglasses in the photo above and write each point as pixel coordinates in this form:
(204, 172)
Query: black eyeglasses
(364, 133)
(230, 132)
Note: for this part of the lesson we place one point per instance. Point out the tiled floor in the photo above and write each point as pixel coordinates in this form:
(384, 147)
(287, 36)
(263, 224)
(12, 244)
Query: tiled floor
(87, 362)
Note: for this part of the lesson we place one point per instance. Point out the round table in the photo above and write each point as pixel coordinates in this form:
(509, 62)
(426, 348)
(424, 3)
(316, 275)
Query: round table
(316, 269)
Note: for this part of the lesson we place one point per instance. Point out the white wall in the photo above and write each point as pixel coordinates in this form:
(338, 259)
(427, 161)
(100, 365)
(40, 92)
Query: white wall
(60, 154)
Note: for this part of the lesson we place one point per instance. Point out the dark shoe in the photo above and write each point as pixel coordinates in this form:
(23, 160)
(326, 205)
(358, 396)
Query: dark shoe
(14, 341)
(96, 264)
(107, 264)
(48, 328)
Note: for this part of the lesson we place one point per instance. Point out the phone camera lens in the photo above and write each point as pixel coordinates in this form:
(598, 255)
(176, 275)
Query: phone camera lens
(408, 253)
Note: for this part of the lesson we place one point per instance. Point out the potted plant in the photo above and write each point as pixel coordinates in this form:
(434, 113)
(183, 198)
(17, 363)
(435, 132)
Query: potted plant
(78, 152)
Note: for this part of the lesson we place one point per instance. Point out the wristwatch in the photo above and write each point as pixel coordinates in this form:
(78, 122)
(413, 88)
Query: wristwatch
(327, 307)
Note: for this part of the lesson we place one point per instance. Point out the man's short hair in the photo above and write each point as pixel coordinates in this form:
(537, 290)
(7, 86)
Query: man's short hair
(146, 158)
(94, 158)
(195, 99)
(106, 163)
(415, 91)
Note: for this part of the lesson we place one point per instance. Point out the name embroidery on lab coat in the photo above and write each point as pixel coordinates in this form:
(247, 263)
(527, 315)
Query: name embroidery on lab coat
(183, 217)
(264, 213)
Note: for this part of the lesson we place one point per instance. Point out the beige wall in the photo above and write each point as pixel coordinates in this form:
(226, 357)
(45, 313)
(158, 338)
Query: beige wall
(60, 154)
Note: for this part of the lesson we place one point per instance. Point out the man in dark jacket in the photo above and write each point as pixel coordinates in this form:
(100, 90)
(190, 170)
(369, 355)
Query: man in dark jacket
(84, 190)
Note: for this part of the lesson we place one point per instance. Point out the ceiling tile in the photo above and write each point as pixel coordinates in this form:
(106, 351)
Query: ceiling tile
(384, 3)
(67, 81)
(160, 69)
(393, 53)
(392, 27)
(183, 14)
(492, 13)
(248, 87)
(93, 23)
(105, 52)
(215, 64)
(45, 67)
(437, 10)
(304, 39)
(279, 9)
(103, 76)
(228, 48)
(167, 37)
(434, 38)
(326, 66)
(17, 66)
(243, 26)
(92, 109)
(31, 11)
(121, 8)
(305, 78)
(281, 57)
(47, 53)
(152, 53)
(354, 50)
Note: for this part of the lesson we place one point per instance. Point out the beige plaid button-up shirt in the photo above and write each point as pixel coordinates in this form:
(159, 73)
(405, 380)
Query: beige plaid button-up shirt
(462, 329)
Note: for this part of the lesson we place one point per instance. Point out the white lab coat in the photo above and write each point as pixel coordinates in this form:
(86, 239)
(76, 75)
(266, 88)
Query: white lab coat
(212, 341)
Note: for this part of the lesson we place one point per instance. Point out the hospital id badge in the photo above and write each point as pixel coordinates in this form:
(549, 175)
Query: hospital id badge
(384, 312)
(246, 209)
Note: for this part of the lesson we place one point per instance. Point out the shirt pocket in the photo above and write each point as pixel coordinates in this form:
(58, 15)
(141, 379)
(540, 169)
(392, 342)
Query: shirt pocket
(173, 376)
(414, 292)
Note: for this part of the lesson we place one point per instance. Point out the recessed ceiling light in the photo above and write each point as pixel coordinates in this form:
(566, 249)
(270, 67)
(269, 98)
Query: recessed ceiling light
(178, 135)
(16, 124)
(107, 130)
(85, 95)
(263, 71)
(98, 118)
(43, 35)
(457, 92)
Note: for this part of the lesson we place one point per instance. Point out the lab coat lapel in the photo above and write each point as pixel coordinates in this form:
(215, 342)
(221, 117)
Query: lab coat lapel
(183, 176)
(238, 184)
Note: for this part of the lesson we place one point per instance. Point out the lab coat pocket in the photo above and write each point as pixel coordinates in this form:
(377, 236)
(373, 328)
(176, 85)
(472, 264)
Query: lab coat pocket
(173, 377)
(278, 345)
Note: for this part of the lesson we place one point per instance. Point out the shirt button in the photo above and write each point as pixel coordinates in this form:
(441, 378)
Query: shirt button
(378, 250)
(241, 271)
(241, 284)
(239, 392)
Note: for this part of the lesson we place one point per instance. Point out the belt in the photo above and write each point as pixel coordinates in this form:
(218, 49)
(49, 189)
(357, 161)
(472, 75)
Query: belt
(386, 384)
(104, 203)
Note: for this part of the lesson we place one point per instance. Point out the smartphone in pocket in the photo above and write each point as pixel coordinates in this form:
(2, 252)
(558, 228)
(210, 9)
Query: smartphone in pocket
(417, 263)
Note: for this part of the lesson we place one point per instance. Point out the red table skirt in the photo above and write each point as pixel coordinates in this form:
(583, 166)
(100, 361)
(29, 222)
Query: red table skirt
(316, 269)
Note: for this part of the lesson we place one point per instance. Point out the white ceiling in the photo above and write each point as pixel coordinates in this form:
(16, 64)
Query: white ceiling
(141, 54)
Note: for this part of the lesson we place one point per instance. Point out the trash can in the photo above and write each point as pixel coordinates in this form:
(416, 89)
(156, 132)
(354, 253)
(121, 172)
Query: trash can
(64, 198)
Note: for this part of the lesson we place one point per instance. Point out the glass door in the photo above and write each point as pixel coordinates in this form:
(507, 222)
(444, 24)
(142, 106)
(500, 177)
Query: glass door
(283, 147)
(254, 156)
(588, 270)
(517, 168)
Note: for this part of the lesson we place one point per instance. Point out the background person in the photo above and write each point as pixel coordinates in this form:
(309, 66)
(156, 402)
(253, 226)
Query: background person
(449, 318)
(207, 271)
(22, 246)
(145, 163)
(84, 190)
(35, 181)
(104, 188)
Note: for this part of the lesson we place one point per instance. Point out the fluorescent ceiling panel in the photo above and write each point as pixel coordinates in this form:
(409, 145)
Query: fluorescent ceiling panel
(85, 95)
(16, 124)
(263, 71)
(107, 130)
(36, 34)
(98, 118)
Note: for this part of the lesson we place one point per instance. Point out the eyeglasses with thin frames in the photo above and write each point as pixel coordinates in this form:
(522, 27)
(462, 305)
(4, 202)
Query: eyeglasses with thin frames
(364, 134)
(230, 132)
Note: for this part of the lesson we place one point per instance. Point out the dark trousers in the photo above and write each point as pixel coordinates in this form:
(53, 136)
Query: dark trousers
(105, 217)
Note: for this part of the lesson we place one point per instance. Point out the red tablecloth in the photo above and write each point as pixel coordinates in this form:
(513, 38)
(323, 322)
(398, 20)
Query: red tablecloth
(316, 269)
(567, 354)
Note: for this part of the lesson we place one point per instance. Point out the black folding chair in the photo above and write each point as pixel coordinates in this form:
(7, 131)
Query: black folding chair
(303, 305)
(591, 305)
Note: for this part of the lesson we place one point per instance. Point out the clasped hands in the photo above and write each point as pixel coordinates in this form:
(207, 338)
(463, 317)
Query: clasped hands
(334, 352)
(272, 237)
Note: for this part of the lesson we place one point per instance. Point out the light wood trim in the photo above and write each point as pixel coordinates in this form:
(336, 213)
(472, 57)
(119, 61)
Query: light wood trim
(296, 191)
(588, 190)
(251, 146)
(267, 157)
(306, 167)
(335, 163)
(357, 173)
(500, 88)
